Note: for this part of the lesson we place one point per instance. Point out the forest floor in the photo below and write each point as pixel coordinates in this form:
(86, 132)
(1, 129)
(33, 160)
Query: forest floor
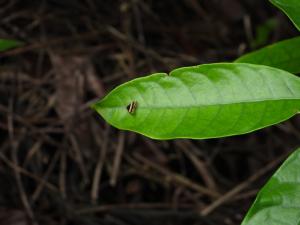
(60, 163)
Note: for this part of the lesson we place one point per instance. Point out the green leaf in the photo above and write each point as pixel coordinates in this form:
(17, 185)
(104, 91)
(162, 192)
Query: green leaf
(205, 101)
(8, 44)
(291, 8)
(278, 202)
(283, 55)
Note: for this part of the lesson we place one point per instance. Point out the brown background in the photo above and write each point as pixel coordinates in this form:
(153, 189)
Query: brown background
(60, 163)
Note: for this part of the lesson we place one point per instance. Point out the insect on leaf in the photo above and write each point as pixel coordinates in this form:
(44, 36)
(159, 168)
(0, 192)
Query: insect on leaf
(205, 101)
(132, 107)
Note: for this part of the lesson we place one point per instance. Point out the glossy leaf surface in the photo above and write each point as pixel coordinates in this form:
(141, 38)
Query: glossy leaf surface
(278, 202)
(291, 8)
(205, 101)
(284, 55)
(8, 44)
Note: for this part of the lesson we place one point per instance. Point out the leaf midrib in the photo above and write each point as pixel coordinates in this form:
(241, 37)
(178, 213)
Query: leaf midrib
(199, 105)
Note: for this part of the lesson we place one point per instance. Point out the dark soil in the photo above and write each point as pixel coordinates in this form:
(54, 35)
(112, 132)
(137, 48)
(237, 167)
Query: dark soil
(60, 163)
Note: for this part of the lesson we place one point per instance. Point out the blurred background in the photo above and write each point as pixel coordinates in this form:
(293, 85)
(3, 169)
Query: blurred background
(60, 163)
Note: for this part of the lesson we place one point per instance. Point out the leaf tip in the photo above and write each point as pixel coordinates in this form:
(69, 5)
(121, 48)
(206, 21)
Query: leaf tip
(9, 44)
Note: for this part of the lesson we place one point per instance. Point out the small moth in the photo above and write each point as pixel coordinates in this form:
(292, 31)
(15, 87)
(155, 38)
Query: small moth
(132, 107)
